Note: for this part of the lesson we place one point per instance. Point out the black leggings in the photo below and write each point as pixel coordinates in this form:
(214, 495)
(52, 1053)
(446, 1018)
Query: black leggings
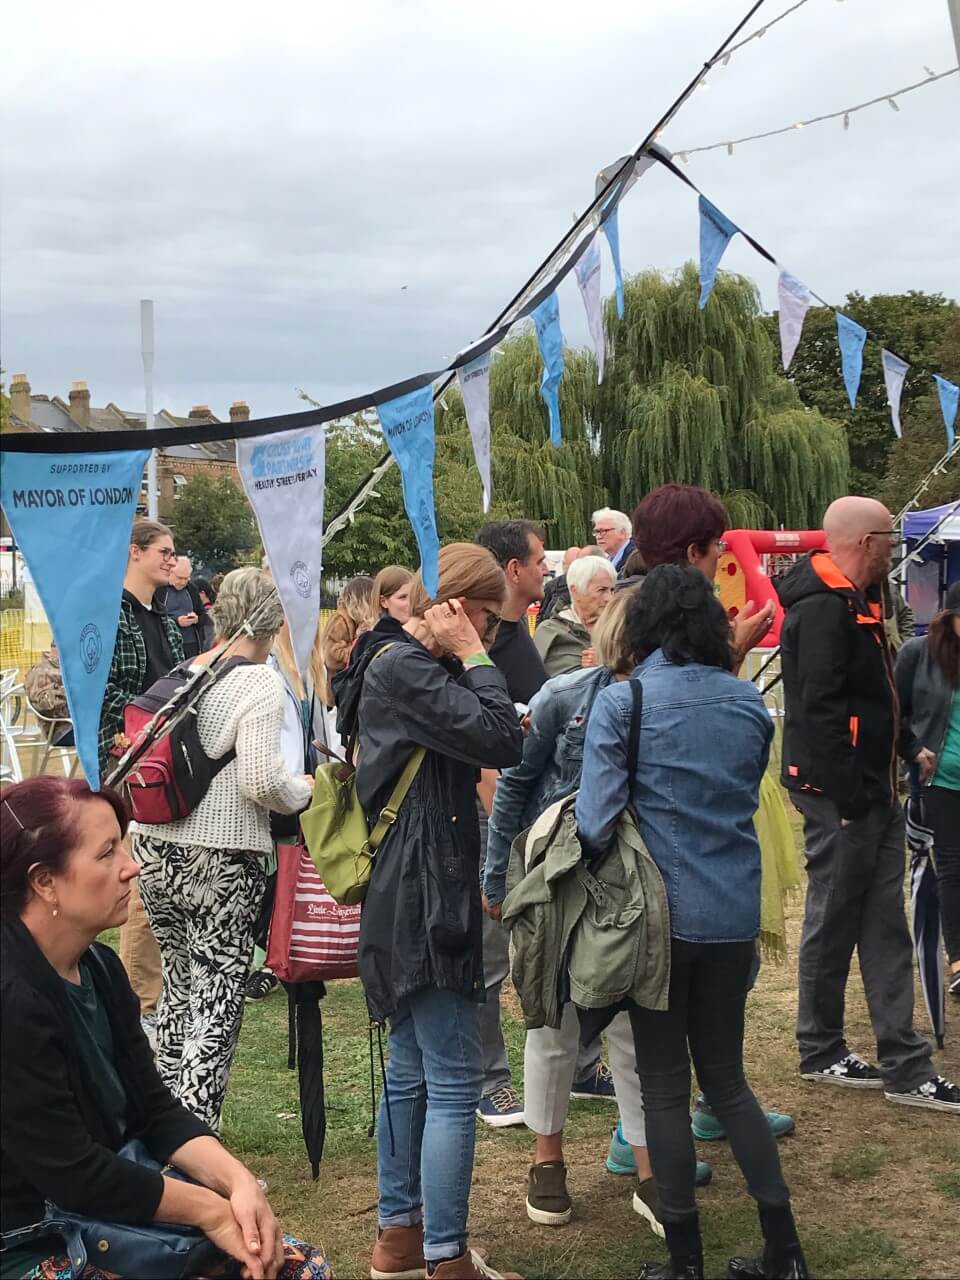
(708, 992)
(943, 815)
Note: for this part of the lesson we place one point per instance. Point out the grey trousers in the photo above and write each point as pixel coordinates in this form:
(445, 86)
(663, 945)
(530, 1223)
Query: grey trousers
(855, 882)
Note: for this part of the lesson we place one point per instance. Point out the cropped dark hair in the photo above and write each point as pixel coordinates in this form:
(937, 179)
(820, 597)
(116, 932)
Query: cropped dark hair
(39, 819)
(672, 517)
(509, 539)
(676, 610)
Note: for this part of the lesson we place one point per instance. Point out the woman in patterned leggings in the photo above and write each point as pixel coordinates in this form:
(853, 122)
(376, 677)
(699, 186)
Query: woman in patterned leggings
(202, 878)
(81, 1094)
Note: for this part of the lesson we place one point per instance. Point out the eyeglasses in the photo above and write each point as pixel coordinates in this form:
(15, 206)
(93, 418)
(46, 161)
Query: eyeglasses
(493, 622)
(721, 545)
(597, 532)
(167, 555)
(891, 534)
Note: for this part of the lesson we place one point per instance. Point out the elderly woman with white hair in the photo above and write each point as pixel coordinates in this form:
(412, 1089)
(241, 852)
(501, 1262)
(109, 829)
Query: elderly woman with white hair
(563, 641)
(202, 878)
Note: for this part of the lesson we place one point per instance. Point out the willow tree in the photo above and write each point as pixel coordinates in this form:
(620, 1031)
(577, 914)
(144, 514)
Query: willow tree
(557, 487)
(694, 396)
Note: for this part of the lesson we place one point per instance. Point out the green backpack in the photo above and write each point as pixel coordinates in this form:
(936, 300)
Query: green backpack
(335, 829)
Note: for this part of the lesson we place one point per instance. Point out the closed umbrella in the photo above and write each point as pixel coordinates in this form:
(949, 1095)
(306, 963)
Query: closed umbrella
(313, 1107)
(925, 915)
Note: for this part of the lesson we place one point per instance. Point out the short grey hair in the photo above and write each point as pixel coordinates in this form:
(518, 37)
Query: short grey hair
(583, 571)
(619, 519)
(247, 594)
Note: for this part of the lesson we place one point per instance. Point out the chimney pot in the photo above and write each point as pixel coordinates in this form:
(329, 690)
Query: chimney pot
(199, 412)
(20, 397)
(80, 403)
(239, 411)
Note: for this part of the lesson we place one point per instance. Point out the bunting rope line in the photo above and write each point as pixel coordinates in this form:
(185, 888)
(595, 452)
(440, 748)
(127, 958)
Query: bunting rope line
(682, 153)
(662, 158)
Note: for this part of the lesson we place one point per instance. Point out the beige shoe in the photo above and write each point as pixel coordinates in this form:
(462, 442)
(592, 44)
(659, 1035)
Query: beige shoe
(469, 1266)
(398, 1254)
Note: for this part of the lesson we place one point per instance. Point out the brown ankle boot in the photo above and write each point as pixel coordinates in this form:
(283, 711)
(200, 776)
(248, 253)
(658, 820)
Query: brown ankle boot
(398, 1254)
(469, 1266)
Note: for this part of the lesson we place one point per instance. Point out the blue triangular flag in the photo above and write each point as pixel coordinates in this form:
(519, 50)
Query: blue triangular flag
(547, 319)
(71, 514)
(949, 394)
(716, 232)
(852, 337)
(611, 229)
(408, 425)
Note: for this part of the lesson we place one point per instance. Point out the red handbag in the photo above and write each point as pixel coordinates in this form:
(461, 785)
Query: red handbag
(312, 938)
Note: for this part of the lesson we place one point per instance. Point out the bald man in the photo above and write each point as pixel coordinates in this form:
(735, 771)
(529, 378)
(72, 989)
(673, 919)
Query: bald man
(840, 762)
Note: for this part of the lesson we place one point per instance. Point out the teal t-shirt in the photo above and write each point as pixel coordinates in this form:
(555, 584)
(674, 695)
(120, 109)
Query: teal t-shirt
(93, 1044)
(948, 762)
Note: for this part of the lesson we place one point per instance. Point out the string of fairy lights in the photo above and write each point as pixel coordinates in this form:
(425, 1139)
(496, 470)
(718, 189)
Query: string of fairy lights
(844, 114)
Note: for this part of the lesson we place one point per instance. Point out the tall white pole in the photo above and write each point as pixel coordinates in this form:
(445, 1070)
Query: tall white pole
(146, 350)
(954, 7)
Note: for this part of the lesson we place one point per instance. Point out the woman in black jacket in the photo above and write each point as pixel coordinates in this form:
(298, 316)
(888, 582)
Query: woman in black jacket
(420, 935)
(78, 1076)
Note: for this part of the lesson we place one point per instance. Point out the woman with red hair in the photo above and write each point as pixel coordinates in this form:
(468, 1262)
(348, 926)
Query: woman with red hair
(79, 1081)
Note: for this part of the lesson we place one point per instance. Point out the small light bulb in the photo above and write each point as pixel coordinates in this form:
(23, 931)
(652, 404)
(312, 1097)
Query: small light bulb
(761, 33)
(683, 156)
(846, 120)
(893, 105)
(726, 59)
(729, 148)
(703, 85)
(798, 125)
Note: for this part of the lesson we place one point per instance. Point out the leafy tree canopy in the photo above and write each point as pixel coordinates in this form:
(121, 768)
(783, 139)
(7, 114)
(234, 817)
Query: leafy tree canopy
(214, 525)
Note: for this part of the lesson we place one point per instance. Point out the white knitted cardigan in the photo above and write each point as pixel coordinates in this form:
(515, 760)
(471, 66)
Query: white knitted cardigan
(245, 709)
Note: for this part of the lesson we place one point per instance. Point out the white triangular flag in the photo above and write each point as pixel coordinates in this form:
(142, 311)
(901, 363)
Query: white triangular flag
(474, 380)
(795, 301)
(588, 278)
(894, 372)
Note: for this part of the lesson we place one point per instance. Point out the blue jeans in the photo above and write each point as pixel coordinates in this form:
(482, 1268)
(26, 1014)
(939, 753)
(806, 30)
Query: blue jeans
(434, 1079)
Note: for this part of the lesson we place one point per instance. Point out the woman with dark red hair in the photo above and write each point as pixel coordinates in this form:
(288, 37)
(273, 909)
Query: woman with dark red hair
(79, 1081)
(684, 524)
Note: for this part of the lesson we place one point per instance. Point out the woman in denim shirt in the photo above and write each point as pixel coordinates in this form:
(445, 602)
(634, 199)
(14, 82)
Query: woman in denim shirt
(704, 743)
(550, 770)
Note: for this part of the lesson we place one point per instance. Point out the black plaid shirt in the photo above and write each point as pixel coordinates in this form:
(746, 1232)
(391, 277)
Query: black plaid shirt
(128, 672)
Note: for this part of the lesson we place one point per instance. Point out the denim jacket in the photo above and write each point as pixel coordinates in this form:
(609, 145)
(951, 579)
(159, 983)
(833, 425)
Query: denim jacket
(704, 743)
(550, 769)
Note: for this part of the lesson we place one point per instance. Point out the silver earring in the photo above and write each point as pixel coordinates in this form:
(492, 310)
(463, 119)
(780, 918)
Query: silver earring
(55, 912)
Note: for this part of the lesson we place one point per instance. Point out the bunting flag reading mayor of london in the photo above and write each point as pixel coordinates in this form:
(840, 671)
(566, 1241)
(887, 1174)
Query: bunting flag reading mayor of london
(71, 515)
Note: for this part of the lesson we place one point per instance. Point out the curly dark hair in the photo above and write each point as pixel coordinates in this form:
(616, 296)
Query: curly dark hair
(677, 611)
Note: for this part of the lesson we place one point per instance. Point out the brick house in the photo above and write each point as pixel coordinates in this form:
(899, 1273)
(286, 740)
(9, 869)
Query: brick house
(176, 464)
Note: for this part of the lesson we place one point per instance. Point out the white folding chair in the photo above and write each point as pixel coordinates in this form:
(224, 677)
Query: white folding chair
(47, 745)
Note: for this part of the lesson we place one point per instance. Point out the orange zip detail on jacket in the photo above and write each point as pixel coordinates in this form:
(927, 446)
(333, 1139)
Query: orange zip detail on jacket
(854, 730)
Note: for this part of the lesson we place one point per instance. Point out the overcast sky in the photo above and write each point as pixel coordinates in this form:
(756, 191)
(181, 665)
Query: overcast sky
(272, 175)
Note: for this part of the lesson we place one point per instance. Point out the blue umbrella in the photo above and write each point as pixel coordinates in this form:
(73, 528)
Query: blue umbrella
(925, 915)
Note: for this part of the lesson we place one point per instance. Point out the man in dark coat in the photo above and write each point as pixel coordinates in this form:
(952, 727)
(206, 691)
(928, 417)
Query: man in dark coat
(839, 757)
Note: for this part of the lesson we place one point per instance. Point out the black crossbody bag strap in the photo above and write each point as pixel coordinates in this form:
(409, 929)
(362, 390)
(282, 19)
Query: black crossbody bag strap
(633, 742)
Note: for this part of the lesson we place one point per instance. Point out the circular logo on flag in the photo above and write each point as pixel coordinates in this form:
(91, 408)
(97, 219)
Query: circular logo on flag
(301, 578)
(91, 647)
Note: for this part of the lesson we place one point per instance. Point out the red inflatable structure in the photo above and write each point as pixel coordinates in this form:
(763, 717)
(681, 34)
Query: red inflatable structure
(746, 567)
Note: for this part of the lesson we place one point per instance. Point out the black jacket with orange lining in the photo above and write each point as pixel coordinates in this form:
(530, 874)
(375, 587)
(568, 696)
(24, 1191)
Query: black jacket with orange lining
(842, 721)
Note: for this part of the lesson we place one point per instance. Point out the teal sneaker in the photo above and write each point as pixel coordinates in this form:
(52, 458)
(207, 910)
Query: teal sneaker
(707, 1128)
(620, 1159)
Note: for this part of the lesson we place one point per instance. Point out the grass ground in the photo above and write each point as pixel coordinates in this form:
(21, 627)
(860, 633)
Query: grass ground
(876, 1188)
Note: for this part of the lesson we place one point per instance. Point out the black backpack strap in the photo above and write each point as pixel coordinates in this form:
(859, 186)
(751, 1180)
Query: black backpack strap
(633, 742)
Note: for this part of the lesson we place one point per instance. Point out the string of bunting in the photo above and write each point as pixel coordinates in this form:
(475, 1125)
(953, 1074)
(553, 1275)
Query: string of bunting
(795, 299)
(845, 113)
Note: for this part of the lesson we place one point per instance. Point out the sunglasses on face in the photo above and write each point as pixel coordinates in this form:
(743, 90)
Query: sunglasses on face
(493, 622)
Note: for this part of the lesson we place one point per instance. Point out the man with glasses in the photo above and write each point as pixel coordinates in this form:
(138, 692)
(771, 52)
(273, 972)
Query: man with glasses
(840, 762)
(148, 645)
(613, 534)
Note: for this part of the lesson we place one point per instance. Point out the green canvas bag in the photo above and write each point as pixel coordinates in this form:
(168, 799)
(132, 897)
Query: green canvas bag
(335, 829)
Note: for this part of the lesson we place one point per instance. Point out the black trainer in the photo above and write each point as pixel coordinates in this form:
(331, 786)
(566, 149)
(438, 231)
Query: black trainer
(936, 1095)
(691, 1270)
(852, 1072)
(792, 1266)
(260, 985)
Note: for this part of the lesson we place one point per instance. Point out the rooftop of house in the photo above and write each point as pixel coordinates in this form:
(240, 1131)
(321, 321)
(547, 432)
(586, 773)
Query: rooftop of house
(30, 411)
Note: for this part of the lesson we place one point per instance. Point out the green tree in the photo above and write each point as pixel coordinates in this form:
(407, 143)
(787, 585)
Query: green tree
(914, 325)
(693, 396)
(214, 525)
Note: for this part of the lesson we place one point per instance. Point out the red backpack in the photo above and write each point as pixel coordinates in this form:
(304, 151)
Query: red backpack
(174, 773)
